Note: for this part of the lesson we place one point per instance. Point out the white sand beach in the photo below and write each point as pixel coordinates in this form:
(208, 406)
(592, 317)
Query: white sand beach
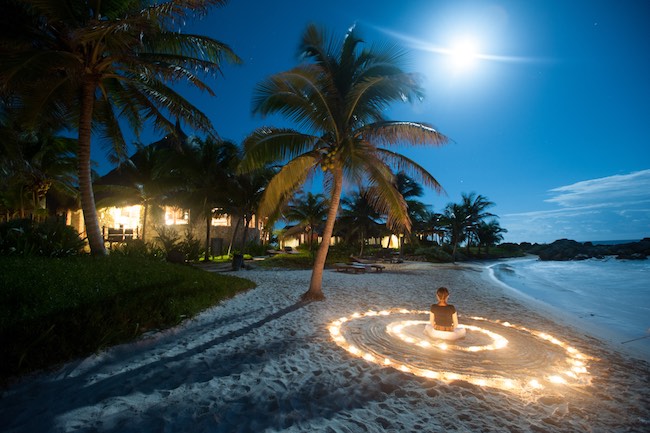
(261, 362)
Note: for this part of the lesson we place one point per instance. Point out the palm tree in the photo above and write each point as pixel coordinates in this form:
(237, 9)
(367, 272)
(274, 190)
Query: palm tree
(455, 219)
(489, 234)
(309, 211)
(475, 206)
(207, 169)
(359, 218)
(338, 100)
(89, 63)
(33, 165)
(410, 189)
(143, 179)
(244, 193)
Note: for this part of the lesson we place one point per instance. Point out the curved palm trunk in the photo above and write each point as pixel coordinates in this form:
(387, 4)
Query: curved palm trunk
(95, 239)
(232, 236)
(208, 226)
(145, 205)
(244, 236)
(315, 292)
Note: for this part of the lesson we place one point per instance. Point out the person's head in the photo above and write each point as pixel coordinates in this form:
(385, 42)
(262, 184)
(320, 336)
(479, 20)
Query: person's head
(442, 293)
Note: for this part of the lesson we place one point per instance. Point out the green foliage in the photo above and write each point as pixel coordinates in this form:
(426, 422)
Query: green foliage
(167, 237)
(434, 254)
(505, 251)
(256, 249)
(288, 261)
(51, 238)
(54, 310)
(138, 248)
(190, 247)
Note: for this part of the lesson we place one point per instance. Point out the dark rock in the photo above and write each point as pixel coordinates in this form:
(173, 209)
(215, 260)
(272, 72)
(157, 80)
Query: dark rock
(565, 249)
(631, 256)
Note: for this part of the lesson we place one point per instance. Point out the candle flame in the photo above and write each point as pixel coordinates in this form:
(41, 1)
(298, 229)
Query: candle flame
(575, 369)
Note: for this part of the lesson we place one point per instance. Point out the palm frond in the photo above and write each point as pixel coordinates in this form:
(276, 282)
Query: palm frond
(179, 9)
(266, 145)
(111, 133)
(302, 94)
(411, 168)
(385, 198)
(282, 186)
(401, 133)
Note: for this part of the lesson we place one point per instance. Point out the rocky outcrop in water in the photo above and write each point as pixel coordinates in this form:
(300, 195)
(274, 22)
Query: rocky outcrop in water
(566, 249)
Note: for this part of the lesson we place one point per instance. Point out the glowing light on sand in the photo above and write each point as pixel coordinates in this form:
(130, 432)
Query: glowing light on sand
(397, 329)
(557, 379)
(575, 367)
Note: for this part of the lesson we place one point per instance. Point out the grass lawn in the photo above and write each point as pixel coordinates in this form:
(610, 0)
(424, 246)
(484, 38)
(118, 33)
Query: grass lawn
(54, 310)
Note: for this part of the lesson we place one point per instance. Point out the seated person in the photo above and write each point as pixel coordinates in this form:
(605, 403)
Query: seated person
(444, 318)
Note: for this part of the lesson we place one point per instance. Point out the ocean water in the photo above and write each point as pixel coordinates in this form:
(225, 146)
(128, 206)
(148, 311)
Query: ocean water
(609, 298)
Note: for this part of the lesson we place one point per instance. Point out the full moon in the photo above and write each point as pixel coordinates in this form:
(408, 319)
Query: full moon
(463, 54)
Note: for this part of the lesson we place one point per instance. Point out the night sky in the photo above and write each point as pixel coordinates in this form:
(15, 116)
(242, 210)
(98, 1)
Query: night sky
(547, 101)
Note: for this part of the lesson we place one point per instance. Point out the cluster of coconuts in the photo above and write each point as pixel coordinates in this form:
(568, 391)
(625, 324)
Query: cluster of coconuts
(327, 160)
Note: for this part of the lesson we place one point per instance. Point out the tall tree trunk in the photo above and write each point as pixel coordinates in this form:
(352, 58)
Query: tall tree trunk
(363, 242)
(315, 292)
(208, 225)
(453, 254)
(86, 106)
(247, 221)
(145, 207)
(232, 235)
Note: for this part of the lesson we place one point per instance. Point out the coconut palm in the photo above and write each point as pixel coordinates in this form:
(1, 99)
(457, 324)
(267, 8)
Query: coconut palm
(358, 217)
(455, 219)
(33, 165)
(89, 63)
(489, 234)
(143, 180)
(337, 98)
(410, 189)
(244, 192)
(207, 169)
(309, 211)
(475, 207)
(430, 223)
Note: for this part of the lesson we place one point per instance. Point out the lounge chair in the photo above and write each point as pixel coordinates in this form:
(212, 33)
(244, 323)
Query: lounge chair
(344, 267)
(368, 264)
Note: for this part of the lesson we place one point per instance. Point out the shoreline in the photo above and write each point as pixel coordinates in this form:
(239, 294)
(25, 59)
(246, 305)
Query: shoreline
(612, 337)
(261, 361)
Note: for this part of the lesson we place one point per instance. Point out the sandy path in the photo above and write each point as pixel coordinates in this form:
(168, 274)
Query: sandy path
(261, 362)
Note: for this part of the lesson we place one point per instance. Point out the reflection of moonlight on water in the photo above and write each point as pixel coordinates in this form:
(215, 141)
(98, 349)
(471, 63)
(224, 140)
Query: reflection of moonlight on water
(493, 353)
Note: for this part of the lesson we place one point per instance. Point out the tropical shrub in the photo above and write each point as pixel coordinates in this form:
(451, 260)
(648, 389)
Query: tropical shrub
(138, 248)
(167, 237)
(51, 238)
(434, 254)
(190, 247)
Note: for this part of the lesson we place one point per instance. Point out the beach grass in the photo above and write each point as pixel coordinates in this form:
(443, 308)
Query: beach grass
(54, 310)
(304, 259)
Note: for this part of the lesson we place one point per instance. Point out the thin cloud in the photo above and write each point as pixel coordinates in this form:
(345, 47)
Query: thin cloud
(613, 207)
(618, 189)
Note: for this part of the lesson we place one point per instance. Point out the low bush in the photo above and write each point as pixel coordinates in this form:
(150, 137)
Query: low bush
(51, 238)
(289, 261)
(433, 254)
(137, 248)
